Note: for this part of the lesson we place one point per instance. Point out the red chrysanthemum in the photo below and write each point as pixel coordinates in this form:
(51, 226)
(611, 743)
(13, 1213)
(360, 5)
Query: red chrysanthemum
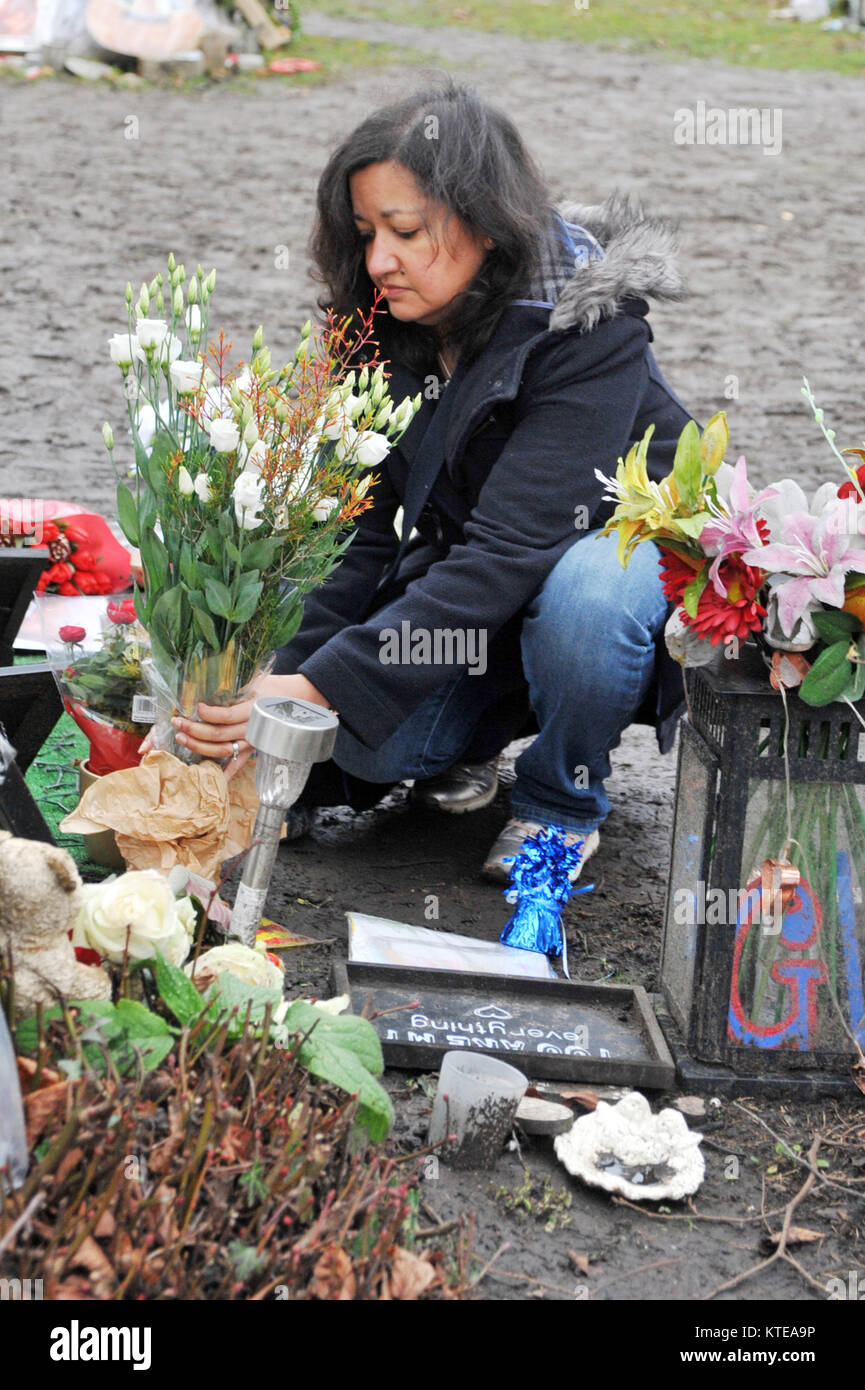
(676, 574)
(737, 615)
(849, 489)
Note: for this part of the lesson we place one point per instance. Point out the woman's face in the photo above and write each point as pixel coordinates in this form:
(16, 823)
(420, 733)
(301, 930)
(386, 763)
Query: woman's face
(419, 257)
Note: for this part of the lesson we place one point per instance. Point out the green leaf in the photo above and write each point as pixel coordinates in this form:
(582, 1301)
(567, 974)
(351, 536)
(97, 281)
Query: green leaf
(154, 558)
(228, 993)
(829, 675)
(232, 551)
(177, 991)
(834, 625)
(691, 595)
(166, 620)
(687, 464)
(206, 627)
(139, 1021)
(219, 597)
(693, 525)
(259, 554)
(346, 1051)
(127, 514)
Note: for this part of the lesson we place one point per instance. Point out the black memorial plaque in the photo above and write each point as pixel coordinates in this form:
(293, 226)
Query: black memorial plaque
(550, 1029)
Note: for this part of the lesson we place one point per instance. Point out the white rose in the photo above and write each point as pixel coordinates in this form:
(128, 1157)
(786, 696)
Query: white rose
(242, 961)
(185, 485)
(202, 488)
(371, 448)
(139, 903)
(125, 349)
(224, 435)
(185, 377)
(152, 333)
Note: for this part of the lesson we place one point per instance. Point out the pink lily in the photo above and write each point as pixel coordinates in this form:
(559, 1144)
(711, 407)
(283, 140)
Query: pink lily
(736, 530)
(808, 568)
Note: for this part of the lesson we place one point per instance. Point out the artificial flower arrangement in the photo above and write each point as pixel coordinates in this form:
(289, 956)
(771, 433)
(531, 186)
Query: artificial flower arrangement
(85, 557)
(99, 688)
(771, 567)
(245, 483)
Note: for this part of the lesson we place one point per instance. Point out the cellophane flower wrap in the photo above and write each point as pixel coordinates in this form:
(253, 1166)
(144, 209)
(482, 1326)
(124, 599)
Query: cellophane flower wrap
(773, 568)
(99, 687)
(245, 486)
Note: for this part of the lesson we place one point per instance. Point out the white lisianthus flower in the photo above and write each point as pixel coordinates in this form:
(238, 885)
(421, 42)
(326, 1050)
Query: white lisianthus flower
(322, 510)
(185, 485)
(371, 448)
(224, 436)
(139, 904)
(281, 517)
(152, 333)
(242, 961)
(187, 916)
(169, 350)
(247, 500)
(363, 485)
(346, 442)
(256, 458)
(203, 490)
(186, 376)
(193, 321)
(125, 349)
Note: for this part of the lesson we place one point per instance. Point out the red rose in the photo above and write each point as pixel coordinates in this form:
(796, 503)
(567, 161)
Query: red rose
(68, 591)
(59, 574)
(42, 583)
(72, 634)
(86, 582)
(50, 532)
(104, 583)
(85, 560)
(122, 612)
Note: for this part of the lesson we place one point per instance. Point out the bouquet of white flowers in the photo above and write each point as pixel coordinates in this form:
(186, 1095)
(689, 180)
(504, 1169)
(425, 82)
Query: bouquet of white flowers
(245, 485)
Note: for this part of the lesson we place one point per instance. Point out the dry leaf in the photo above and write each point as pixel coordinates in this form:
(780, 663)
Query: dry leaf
(798, 1235)
(333, 1276)
(236, 1143)
(105, 1226)
(859, 1075)
(27, 1070)
(69, 1161)
(41, 1107)
(88, 1256)
(410, 1275)
(580, 1262)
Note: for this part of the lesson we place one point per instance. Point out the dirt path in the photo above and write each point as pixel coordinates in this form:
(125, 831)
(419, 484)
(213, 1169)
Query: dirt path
(773, 248)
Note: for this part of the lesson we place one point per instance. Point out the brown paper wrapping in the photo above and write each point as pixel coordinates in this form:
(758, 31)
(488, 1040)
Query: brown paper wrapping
(167, 812)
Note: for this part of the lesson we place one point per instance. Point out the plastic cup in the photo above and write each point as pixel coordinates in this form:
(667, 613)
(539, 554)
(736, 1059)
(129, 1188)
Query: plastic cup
(476, 1101)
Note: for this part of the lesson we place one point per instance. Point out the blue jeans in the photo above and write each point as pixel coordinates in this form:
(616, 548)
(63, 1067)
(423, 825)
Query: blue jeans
(588, 654)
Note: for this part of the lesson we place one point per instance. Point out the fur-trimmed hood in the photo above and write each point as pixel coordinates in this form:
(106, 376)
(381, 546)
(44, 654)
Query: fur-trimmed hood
(638, 260)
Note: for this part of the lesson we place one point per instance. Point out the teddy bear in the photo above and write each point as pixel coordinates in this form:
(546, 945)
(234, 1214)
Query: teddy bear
(39, 901)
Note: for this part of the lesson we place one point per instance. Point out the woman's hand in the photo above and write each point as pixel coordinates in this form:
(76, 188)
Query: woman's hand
(220, 732)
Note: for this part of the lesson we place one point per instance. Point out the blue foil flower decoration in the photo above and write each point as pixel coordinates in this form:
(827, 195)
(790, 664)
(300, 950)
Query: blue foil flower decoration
(540, 887)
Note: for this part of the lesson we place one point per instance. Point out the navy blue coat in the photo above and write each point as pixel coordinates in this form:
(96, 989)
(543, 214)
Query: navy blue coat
(563, 388)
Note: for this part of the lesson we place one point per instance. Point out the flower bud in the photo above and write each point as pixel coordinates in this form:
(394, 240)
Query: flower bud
(199, 270)
(383, 416)
(192, 290)
(144, 300)
(160, 302)
(193, 322)
(108, 436)
(378, 390)
(171, 261)
(307, 329)
(185, 485)
(258, 339)
(154, 285)
(128, 295)
(177, 302)
(210, 282)
(363, 379)
(250, 433)
(261, 365)
(181, 275)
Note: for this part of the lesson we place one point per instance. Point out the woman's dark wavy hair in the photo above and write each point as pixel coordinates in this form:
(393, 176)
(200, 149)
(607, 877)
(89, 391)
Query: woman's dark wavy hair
(461, 153)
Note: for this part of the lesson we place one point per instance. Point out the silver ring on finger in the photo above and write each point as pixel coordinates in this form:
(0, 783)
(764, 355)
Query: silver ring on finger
(235, 751)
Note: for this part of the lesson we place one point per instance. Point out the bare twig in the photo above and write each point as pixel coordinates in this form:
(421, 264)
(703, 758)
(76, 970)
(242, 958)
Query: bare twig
(694, 1216)
(31, 1208)
(803, 1162)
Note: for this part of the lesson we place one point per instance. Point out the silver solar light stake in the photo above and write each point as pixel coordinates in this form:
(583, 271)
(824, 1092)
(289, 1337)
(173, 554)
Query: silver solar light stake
(289, 735)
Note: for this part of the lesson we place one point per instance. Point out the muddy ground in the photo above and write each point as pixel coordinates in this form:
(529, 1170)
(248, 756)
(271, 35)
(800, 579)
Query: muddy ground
(772, 247)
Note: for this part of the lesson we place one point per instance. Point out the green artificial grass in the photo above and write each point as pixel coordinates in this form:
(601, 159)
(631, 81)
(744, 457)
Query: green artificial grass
(53, 779)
